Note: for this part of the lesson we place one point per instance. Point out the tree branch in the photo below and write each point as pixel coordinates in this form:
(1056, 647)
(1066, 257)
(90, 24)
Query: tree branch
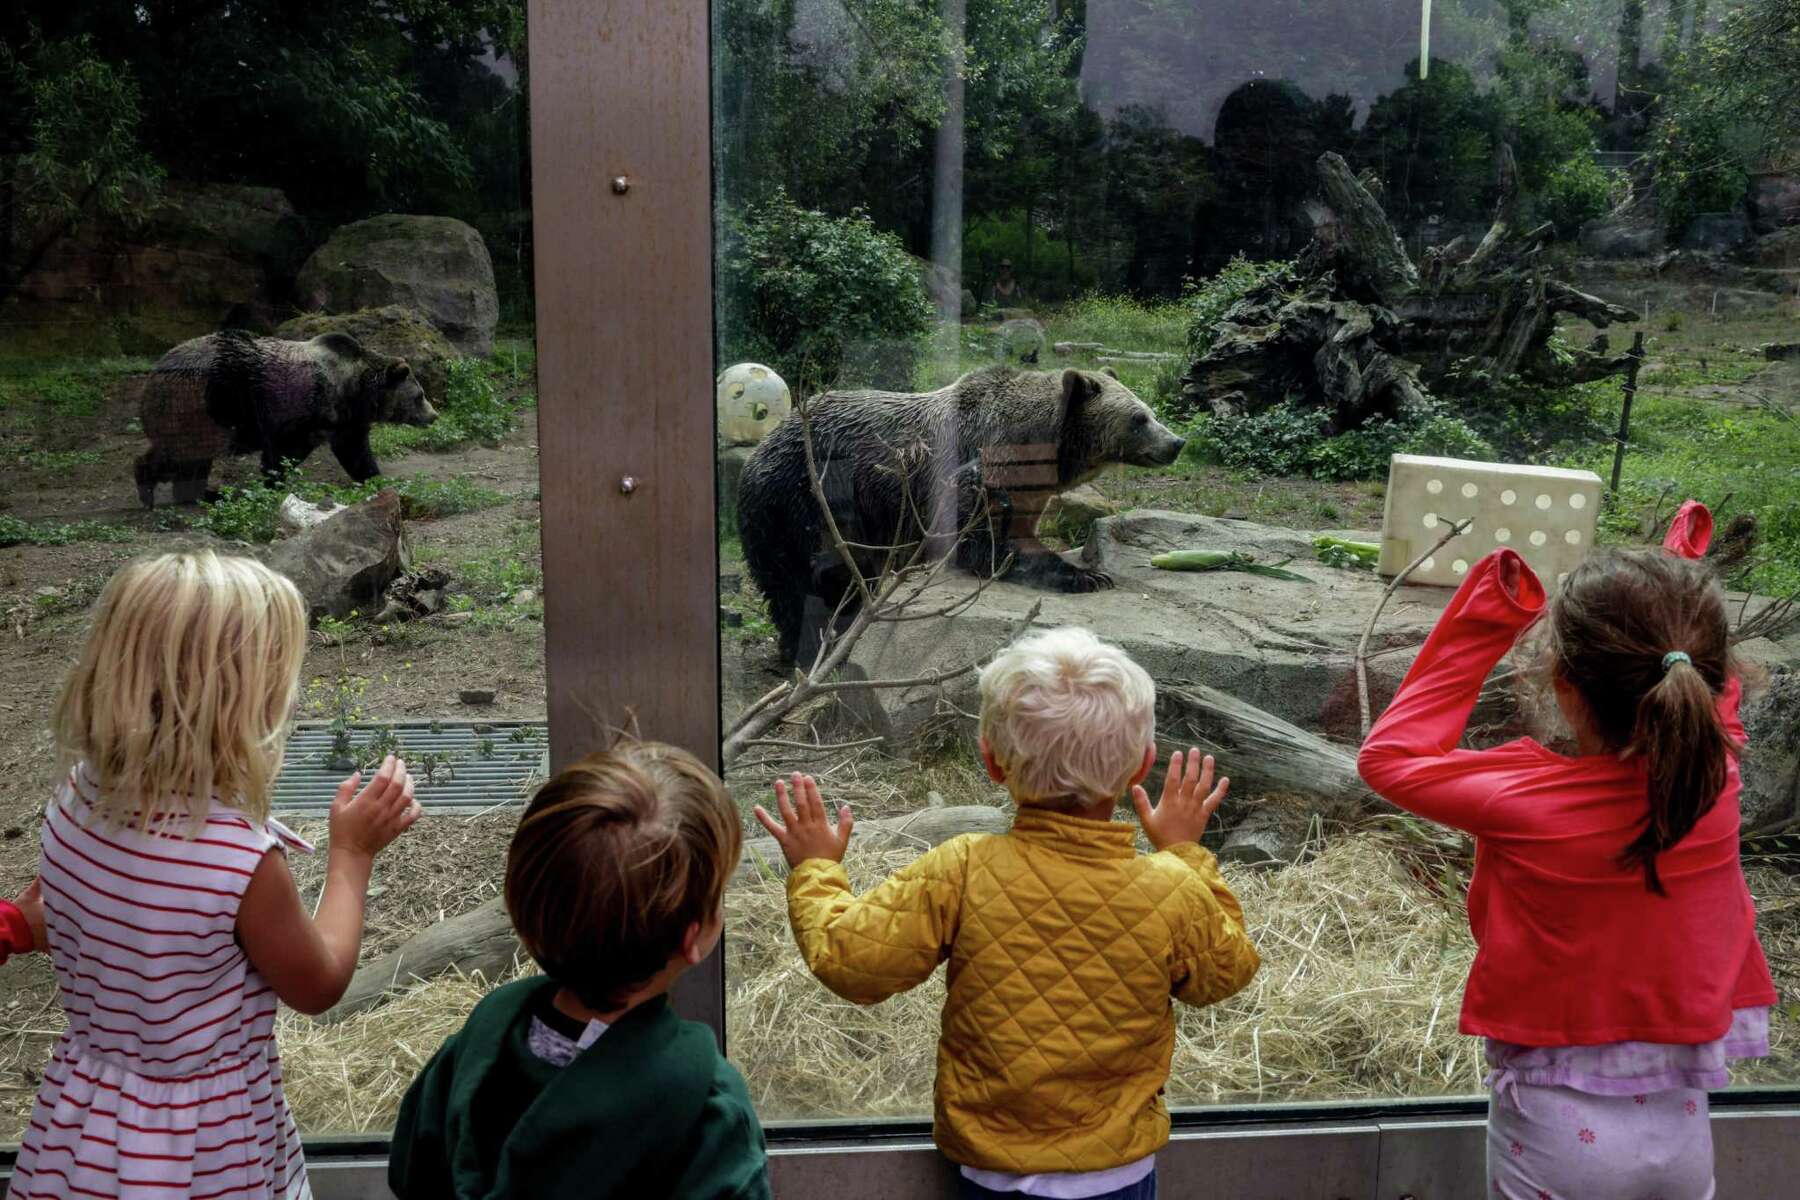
(1362, 645)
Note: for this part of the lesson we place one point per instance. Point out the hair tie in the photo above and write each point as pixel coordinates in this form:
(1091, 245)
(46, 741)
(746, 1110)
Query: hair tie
(1673, 657)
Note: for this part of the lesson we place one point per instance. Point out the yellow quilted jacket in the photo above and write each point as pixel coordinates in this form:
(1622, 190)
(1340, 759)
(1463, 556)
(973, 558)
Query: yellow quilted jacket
(1065, 947)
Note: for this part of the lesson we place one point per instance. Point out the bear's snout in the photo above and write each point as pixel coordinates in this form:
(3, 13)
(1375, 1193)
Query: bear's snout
(427, 414)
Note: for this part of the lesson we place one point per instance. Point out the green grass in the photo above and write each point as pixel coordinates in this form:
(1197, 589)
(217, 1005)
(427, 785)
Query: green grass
(14, 532)
(505, 570)
(248, 513)
(58, 460)
(1688, 448)
(1116, 322)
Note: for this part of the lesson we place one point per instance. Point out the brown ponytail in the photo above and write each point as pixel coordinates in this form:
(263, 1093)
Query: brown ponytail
(1618, 617)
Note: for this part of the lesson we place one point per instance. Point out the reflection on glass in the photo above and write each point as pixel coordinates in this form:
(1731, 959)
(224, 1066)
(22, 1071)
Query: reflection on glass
(1052, 289)
(259, 261)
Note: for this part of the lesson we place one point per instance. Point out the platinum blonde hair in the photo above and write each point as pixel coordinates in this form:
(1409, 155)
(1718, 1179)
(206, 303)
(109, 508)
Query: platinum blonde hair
(1067, 717)
(185, 689)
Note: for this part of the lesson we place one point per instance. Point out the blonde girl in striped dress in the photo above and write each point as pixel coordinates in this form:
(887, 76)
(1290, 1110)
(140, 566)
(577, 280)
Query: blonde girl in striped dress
(172, 920)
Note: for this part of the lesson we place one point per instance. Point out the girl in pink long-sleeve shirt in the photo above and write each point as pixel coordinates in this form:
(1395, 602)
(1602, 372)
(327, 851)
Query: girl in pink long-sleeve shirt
(1618, 966)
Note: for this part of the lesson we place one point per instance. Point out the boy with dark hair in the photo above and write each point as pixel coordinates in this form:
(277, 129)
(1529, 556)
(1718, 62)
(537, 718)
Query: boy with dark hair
(584, 1083)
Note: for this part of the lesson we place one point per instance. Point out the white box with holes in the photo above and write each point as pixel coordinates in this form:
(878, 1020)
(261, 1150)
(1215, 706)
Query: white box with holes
(1544, 513)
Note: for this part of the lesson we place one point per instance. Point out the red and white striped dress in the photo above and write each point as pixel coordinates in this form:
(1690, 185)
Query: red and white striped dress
(167, 1082)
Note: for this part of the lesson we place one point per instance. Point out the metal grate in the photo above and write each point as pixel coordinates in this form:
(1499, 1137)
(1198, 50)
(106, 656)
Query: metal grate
(459, 766)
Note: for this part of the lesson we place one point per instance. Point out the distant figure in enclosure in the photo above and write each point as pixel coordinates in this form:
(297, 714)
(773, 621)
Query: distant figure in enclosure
(235, 393)
(1006, 291)
(172, 920)
(584, 1082)
(905, 470)
(1618, 965)
(1065, 945)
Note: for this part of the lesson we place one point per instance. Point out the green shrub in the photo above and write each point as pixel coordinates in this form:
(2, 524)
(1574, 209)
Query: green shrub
(820, 299)
(1210, 300)
(474, 411)
(1576, 191)
(1291, 439)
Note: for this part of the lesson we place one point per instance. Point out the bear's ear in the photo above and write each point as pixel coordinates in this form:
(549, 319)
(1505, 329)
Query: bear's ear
(1109, 372)
(1077, 388)
(398, 371)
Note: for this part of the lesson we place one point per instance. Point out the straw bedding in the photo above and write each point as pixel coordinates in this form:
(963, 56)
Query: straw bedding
(1365, 947)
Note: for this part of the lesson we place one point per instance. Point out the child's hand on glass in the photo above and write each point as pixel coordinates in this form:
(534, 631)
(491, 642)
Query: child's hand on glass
(803, 831)
(366, 822)
(31, 903)
(1188, 801)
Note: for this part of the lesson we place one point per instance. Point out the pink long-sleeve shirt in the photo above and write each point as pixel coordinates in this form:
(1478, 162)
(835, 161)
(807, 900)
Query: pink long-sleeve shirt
(1572, 948)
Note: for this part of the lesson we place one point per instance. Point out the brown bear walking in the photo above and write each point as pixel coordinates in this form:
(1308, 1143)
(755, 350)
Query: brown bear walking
(900, 470)
(235, 393)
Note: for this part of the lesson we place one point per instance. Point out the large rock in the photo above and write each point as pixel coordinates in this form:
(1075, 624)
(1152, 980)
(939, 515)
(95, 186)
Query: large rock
(438, 266)
(1773, 199)
(1778, 251)
(391, 330)
(202, 254)
(1071, 515)
(1771, 763)
(1287, 648)
(1716, 233)
(1618, 237)
(346, 562)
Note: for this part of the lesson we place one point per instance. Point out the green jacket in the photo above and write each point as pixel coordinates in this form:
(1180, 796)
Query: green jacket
(651, 1109)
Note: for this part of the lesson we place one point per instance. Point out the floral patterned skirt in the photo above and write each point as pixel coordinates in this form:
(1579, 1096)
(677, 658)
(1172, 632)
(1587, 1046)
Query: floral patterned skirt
(1555, 1143)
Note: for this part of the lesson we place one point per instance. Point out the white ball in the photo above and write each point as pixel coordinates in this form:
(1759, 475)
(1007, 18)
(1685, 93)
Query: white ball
(752, 401)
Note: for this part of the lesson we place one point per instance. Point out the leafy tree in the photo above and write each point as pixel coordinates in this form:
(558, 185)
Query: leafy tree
(824, 300)
(321, 99)
(77, 121)
(1730, 108)
(1432, 142)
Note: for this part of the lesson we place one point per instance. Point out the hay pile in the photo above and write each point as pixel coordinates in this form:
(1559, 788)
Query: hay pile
(1365, 948)
(350, 1077)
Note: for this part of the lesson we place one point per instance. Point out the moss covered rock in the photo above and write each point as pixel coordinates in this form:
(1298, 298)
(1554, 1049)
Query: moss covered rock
(437, 266)
(392, 330)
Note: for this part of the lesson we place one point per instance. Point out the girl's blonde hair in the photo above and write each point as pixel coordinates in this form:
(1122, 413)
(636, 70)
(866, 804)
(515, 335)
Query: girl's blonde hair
(1067, 717)
(185, 689)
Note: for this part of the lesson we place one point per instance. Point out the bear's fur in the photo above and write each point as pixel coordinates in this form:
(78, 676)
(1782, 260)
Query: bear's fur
(236, 393)
(902, 469)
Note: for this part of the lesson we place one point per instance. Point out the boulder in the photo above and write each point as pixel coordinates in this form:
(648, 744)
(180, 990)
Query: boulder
(1021, 340)
(1771, 763)
(202, 254)
(1716, 233)
(438, 266)
(1286, 648)
(392, 330)
(1613, 237)
(346, 562)
(1071, 515)
(296, 515)
(1778, 251)
(1773, 199)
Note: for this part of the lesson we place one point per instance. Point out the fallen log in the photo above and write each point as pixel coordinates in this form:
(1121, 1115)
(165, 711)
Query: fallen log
(481, 940)
(478, 942)
(1261, 752)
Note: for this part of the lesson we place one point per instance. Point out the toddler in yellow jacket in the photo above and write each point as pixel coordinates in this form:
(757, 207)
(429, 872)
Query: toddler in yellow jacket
(1065, 945)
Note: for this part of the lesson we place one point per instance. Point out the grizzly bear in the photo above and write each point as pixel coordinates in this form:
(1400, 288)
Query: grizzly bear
(962, 471)
(236, 393)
